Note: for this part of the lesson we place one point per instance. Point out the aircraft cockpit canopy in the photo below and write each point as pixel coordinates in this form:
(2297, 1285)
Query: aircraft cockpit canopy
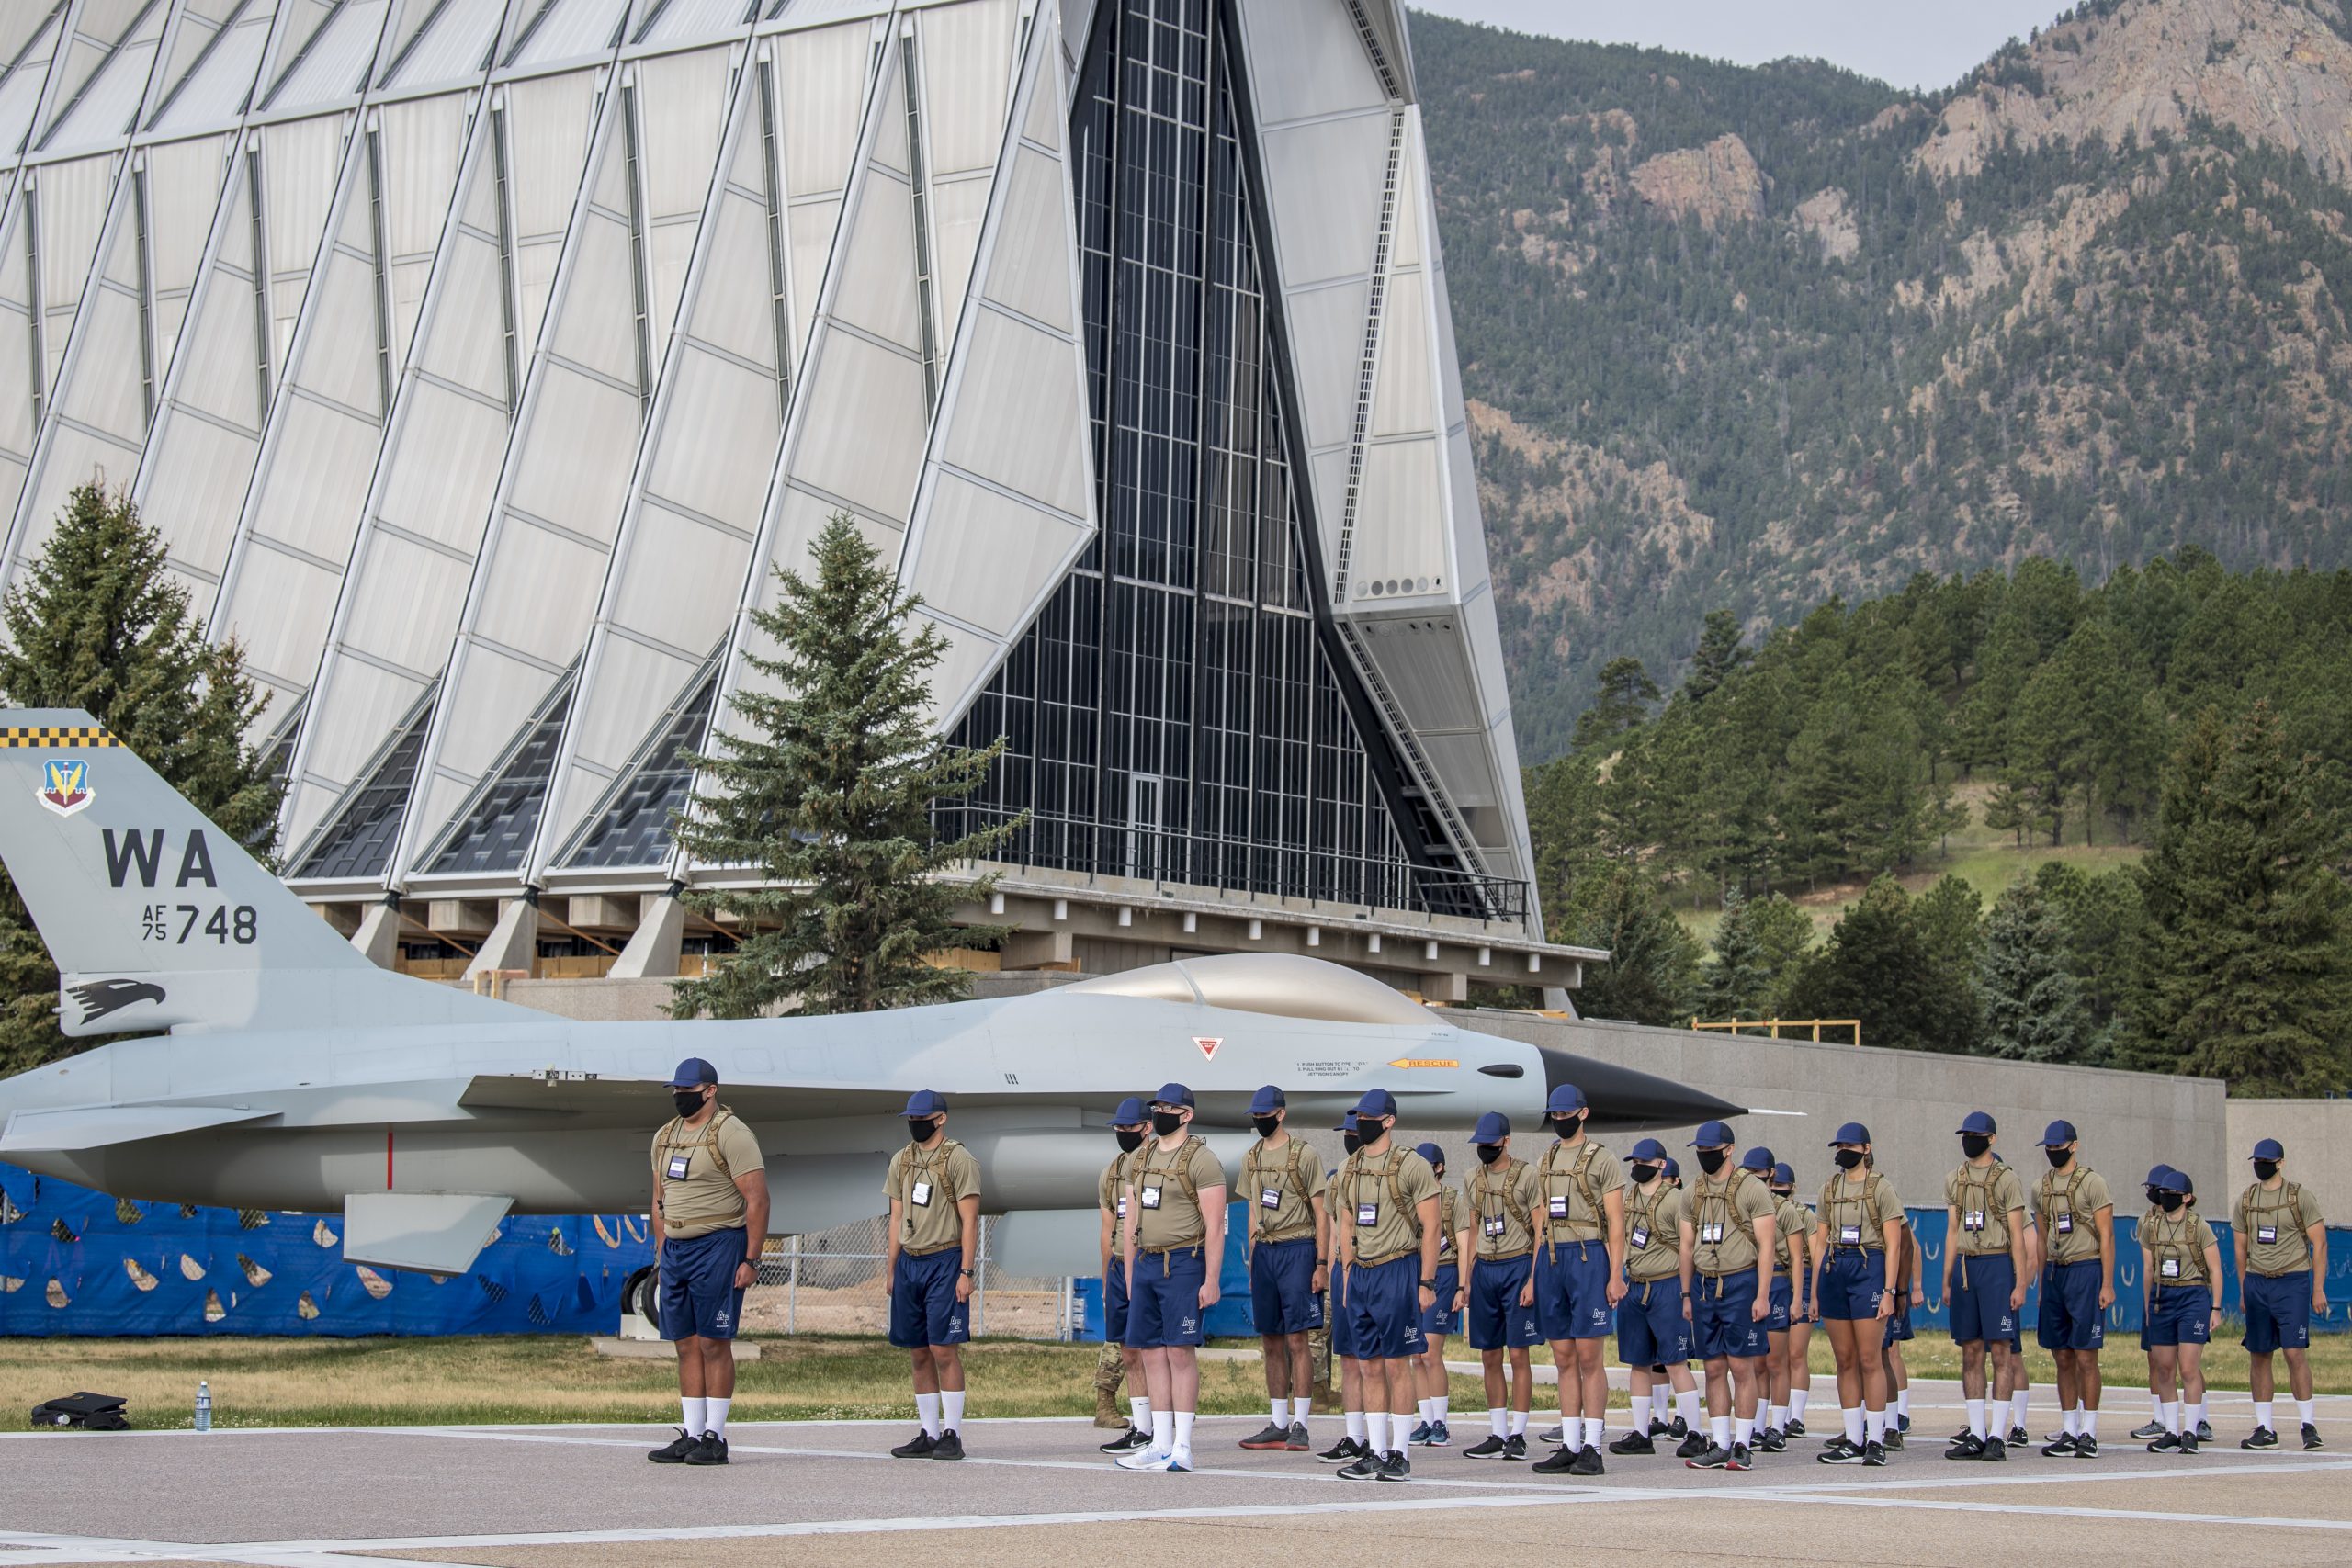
(1285, 985)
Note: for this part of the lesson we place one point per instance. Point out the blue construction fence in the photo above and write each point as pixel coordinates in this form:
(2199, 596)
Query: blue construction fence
(77, 1262)
(1230, 1317)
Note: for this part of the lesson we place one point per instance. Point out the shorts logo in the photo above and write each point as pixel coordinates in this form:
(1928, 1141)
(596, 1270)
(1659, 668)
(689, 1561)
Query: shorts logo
(65, 786)
(720, 1320)
(1600, 1316)
(1187, 1325)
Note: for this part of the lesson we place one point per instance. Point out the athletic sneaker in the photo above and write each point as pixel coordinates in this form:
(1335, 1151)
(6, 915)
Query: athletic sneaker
(1346, 1450)
(1962, 1435)
(2060, 1446)
(1894, 1443)
(685, 1442)
(2204, 1431)
(1296, 1440)
(2263, 1437)
(1367, 1467)
(1635, 1443)
(1146, 1459)
(1559, 1462)
(1694, 1444)
(1439, 1437)
(1772, 1441)
(2168, 1444)
(1554, 1435)
(1994, 1450)
(2020, 1437)
(712, 1449)
(1714, 1458)
(949, 1446)
(1488, 1447)
(1839, 1449)
(1795, 1428)
(1588, 1462)
(2188, 1441)
(1968, 1444)
(1126, 1442)
(917, 1447)
(1420, 1437)
(2311, 1436)
(1901, 1423)
(1395, 1466)
(1515, 1446)
(1875, 1453)
(1741, 1458)
(1179, 1462)
(2087, 1447)
(1269, 1437)
(2147, 1429)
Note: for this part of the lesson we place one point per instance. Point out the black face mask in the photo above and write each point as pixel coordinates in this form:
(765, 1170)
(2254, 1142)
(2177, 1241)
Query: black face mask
(1973, 1145)
(2168, 1202)
(1565, 1126)
(1368, 1131)
(1784, 1191)
(1166, 1122)
(1489, 1153)
(1712, 1160)
(1645, 1174)
(1849, 1159)
(688, 1100)
(2264, 1169)
(2058, 1157)
(1265, 1125)
(1350, 1142)
(1130, 1139)
(920, 1128)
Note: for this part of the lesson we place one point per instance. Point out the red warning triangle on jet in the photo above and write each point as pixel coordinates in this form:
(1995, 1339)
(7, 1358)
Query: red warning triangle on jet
(1208, 1048)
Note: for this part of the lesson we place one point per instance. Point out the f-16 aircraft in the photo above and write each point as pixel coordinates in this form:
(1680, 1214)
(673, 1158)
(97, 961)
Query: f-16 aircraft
(287, 1072)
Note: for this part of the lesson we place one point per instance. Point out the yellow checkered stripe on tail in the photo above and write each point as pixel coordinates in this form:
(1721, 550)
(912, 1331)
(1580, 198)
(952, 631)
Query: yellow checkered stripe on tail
(56, 737)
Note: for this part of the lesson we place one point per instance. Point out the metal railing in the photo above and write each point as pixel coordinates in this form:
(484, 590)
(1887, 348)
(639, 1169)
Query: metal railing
(1774, 1026)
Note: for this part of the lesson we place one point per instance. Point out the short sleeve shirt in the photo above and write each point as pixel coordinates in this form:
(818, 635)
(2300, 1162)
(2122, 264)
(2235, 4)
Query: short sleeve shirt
(1789, 1218)
(1573, 1208)
(2176, 1244)
(2276, 1227)
(1722, 1216)
(1111, 1193)
(1653, 1231)
(1277, 1184)
(2066, 1211)
(1983, 1196)
(1853, 1222)
(1167, 1215)
(1504, 1199)
(1449, 1224)
(1380, 1202)
(699, 1196)
(930, 1184)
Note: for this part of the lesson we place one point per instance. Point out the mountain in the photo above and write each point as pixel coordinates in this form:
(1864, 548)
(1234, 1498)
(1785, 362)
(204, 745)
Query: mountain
(1745, 338)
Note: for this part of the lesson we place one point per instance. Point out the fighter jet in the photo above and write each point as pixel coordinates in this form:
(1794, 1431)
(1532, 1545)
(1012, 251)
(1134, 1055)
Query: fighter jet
(286, 1071)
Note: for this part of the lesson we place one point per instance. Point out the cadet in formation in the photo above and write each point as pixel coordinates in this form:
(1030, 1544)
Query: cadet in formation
(2282, 1283)
(1444, 1317)
(933, 1184)
(1117, 1358)
(1174, 1232)
(1731, 1220)
(1863, 1229)
(710, 1219)
(1289, 1240)
(2181, 1262)
(1984, 1276)
(1787, 1377)
(1580, 1276)
(2076, 1220)
(1502, 1290)
(1654, 1320)
(1387, 1251)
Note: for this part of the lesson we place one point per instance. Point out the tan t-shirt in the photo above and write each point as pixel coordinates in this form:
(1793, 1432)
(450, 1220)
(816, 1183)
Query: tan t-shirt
(2066, 1211)
(1505, 1197)
(1277, 1184)
(2284, 1214)
(1167, 1216)
(1380, 1202)
(1855, 1212)
(1574, 1181)
(2176, 1245)
(1722, 1215)
(1448, 1225)
(697, 1196)
(1111, 1192)
(930, 1184)
(1984, 1196)
(1789, 1218)
(1654, 1232)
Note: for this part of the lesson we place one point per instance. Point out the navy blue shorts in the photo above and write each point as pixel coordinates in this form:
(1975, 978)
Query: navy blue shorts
(1898, 1323)
(923, 1308)
(1496, 1320)
(1115, 1303)
(1851, 1282)
(1384, 1306)
(1572, 1290)
(1441, 1319)
(700, 1300)
(1650, 1327)
(1782, 1299)
(2277, 1312)
(1720, 1320)
(1282, 1287)
(2182, 1316)
(1166, 1307)
(1980, 1298)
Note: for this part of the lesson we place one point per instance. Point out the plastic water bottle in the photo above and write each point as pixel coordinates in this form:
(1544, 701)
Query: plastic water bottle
(203, 1405)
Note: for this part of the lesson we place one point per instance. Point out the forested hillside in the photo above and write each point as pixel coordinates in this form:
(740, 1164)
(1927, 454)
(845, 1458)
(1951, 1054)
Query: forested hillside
(1741, 339)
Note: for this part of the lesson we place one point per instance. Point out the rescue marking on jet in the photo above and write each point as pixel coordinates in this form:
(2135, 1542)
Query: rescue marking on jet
(1409, 1062)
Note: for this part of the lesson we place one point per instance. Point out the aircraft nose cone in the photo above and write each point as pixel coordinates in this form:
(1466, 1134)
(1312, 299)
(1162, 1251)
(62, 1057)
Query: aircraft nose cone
(1621, 1097)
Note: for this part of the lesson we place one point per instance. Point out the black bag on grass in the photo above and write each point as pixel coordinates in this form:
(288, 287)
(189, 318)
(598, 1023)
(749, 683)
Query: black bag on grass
(90, 1412)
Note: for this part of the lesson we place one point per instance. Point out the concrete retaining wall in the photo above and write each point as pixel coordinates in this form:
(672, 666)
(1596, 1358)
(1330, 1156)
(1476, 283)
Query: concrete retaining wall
(2318, 1135)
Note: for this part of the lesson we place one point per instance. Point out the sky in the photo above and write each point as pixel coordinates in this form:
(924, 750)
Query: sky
(1910, 43)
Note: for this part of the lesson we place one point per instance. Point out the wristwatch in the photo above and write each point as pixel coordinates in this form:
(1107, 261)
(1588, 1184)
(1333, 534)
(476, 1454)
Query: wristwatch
(1427, 1285)
(965, 1272)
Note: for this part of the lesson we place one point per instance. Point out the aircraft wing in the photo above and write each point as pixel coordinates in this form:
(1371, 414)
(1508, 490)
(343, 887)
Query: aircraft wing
(95, 1127)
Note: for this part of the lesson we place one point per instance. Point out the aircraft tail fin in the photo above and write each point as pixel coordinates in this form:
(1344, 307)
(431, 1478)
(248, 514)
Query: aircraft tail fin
(155, 917)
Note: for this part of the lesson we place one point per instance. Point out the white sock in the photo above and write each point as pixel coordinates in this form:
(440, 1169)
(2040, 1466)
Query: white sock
(1518, 1424)
(1686, 1404)
(1797, 1396)
(2156, 1403)
(1300, 1409)
(2169, 1413)
(691, 1412)
(1853, 1427)
(2070, 1424)
(1163, 1431)
(927, 1412)
(1595, 1428)
(2194, 1416)
(1183, 1444)
(1903, 1403)
(1641, 1415)
(1777, 1418)
(1719, 1428)
(2021, 1405)
(1874, 1425)
(1976, 1419)
(2261, 1413)
(1357, 1427)
(714, 1411)
(1376, 1430)
(1437, 1407)
(1427, 1408)
(2307, 1410)
(2088, 1421)
(951, 1408)
(1495, 1418)
(1139, 1415)
(1743, 1431)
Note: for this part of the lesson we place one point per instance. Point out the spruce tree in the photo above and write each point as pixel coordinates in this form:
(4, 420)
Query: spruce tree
(1880, 966)
(1653, 969)
(100, 624)
(825, 791)
(2034, 1010)
(1738, 975)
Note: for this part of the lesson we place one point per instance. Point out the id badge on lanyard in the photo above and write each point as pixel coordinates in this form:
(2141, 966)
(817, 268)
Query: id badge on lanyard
(1367, 1213)
(920, 1196)
(1270, 1198)
(1493, 1227)
(1639, 1236)
(2266, 1235)
(1558, 1206)
(1150, 1196)
(1850, 1235)
(1712, 1232)
(2169, 1269)
(679, 1165)
(2063, 1224)
(1971, 1220)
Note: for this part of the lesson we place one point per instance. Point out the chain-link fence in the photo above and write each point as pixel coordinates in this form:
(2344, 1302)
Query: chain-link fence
(830, 1282)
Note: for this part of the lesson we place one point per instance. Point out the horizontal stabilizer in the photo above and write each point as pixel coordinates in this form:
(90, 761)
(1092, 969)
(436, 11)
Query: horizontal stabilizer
(433, 1233)
(56, 1131)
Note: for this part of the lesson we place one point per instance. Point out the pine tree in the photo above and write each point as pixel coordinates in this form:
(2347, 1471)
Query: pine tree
(1623, 701)
(1653, 969)
(1738, 975)
(1720, 656)
(100, 624)
(2245, 957)
(825, 791)
(1879, 967)
(2034, 1010)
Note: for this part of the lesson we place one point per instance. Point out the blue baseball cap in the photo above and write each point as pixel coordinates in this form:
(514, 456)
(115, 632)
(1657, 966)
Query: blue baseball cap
(1758, 1158)
(1346, 1124)
(2269, 1149)
(2058, 1133)
(1784, 1175)
(1267, 1101)
(692, 1072)
(1978, 1124)
(1852, 1132)
(1431, 1152)
(2164, 1178)
(1130, 1113)
(925, 1102)
(1566, 1097)
(1377, 1102)
(2185, 1185)
(1649, 1148)
(1493, 1128)
(1674, 1167)
(1172, 1094)
(1712, 1135)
